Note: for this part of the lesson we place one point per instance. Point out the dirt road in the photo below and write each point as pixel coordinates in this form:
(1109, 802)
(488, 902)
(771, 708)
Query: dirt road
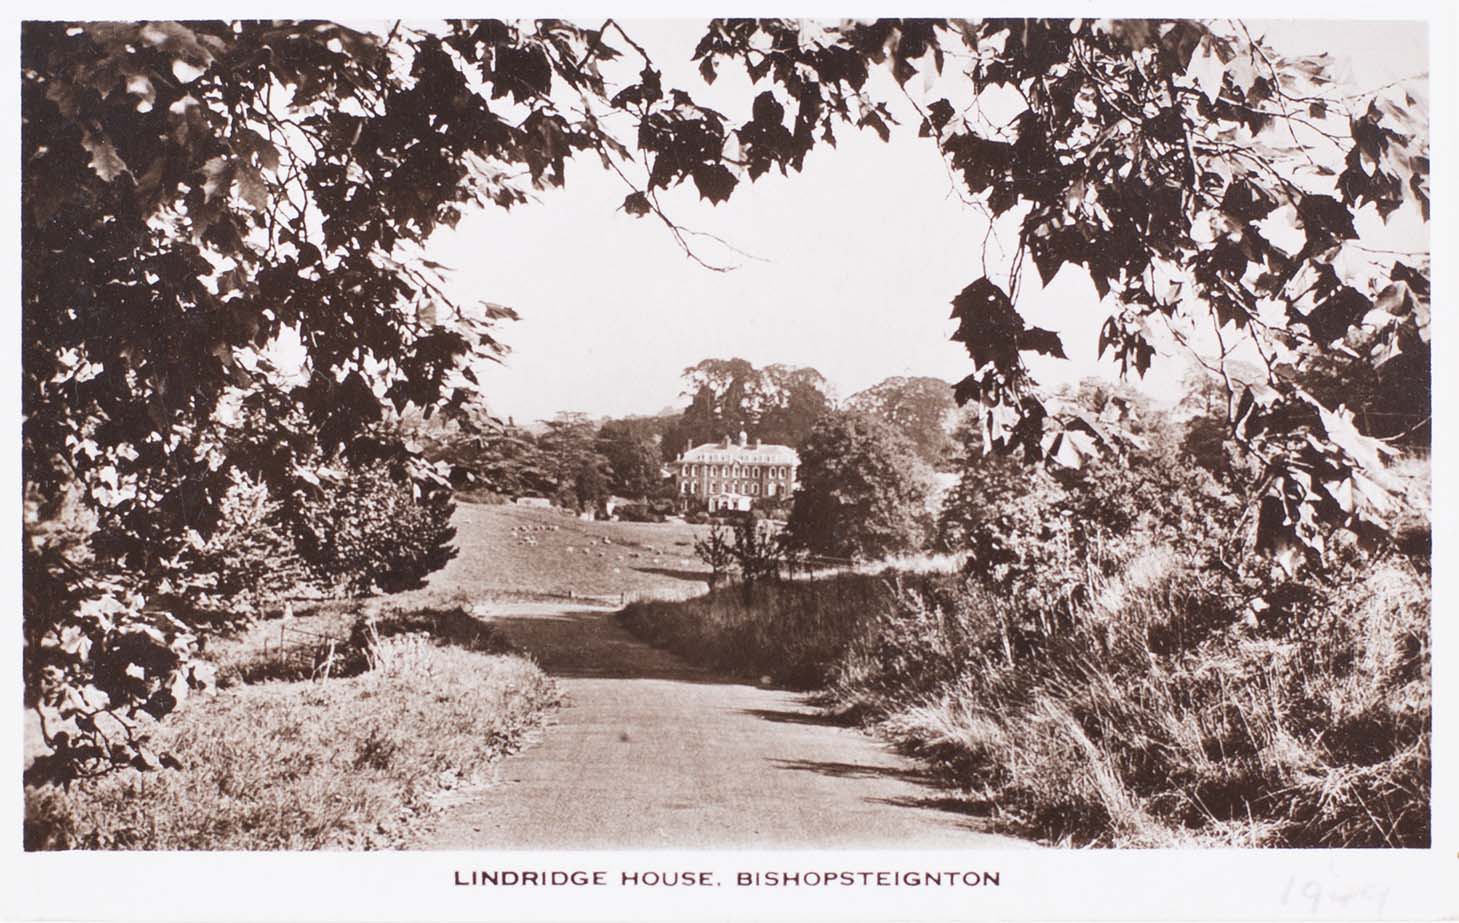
(648, 752)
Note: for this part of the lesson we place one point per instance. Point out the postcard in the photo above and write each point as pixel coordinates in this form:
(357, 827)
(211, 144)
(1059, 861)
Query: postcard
(653, 465)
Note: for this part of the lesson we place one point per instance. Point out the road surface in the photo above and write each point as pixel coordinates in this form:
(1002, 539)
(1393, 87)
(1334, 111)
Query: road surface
(649, 752)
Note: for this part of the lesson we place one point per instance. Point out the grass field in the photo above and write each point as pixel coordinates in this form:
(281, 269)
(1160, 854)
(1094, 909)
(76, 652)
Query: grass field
(518, 550)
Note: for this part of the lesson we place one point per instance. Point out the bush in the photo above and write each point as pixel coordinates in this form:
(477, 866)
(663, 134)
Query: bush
(1117, 665)
(370, 527)
(795, 632)
(715, 550)
(250, 558)
(638, 512)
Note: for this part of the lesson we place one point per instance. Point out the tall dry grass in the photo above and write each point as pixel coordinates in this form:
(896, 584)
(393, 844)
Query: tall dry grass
(1164, 715)
(794, 632)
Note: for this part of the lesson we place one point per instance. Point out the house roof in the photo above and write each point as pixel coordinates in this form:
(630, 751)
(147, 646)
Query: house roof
(718, 453)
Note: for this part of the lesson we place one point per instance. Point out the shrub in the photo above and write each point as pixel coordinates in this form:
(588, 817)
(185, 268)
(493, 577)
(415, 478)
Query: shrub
(795, 631)
(638, 512)
(715, 550)
(371, 526)
(1041, 537)
(759, 552)
(250, 558)
(1117, 665)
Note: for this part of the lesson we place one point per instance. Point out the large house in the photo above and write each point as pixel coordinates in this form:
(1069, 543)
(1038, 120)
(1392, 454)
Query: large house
(732, 476)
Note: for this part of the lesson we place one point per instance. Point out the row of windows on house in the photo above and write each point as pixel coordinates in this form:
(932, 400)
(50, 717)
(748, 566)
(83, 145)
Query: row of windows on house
(736, 471)
(750, 488)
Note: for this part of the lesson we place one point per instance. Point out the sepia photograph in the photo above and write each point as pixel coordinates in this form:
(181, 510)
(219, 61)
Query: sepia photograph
(916, 449)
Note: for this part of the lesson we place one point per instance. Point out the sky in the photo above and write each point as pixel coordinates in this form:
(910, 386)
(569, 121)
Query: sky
(855, 260)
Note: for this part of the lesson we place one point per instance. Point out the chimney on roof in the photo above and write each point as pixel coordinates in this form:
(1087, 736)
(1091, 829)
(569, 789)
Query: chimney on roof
(757, 443)
(725, 443)
(744, 439)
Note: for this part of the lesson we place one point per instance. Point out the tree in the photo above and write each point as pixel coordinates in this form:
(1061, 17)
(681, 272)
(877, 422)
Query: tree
(1154, 155)
(366, 529)
(723, 399)
(920, 407)
(1205, 438)
(862, 491)
(189, 193)
(1391, 401)
(759, 552)
(579, 472)
(506, 461)
(778, 404)
(714, 548)
(631, 447)
(1041, 538)
(792, 400)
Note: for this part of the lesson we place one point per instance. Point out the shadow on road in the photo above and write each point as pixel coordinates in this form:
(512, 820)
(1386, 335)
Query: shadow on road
(943, 803)
(855, 770)
(796, 717)
(591, 645)
(948, 803)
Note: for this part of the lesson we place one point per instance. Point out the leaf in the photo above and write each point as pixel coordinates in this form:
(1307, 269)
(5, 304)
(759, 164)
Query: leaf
(217, 176)
(993, 331)
(252, 187)
(1341, 428)
(877, 124)
(1336, 314)
(706, 69)
(637, 204)
(1325, 218)
(104, 158)
(139, 85)
(939, 113)
(1039, 340)
(1247, 202)
(1051, 248)
(714, 181)
(177, 39)
(524, 72)
(1207, 71)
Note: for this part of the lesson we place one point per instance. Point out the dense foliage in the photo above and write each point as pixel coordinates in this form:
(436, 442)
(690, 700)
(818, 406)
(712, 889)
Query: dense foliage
(579, 471)
(367, 530)
(862, 491)
(922, 408)
(631, 447)
(777, 404)
(716, 549)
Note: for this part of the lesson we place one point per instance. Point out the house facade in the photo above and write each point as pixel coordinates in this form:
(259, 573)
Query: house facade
(729, 475)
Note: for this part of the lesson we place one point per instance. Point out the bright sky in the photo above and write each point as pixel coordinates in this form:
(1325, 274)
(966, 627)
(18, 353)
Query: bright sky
(859, 258)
